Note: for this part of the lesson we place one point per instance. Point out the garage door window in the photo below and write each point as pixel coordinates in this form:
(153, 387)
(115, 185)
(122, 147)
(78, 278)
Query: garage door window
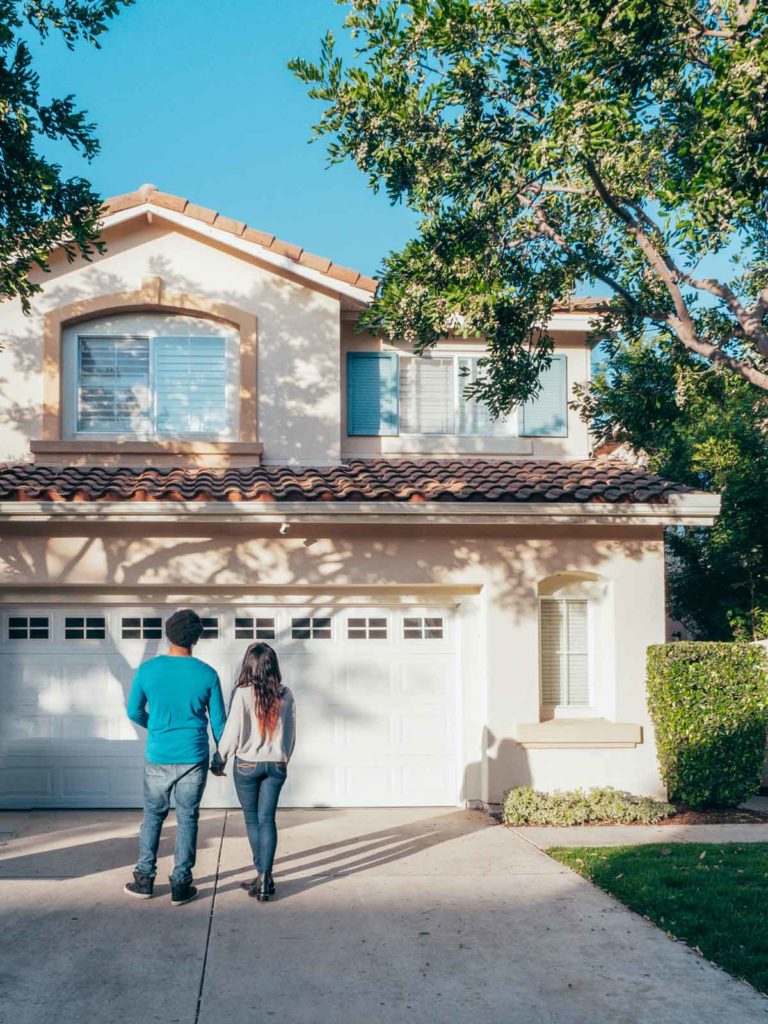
(310, 629)
(254, 629)
(429, 628)
(21, 627)
(80, 628)
(141, 628)
(210, 628)
(367, 629)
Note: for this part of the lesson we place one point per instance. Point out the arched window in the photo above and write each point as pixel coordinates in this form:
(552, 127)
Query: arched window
(574, 643)
(151, 376)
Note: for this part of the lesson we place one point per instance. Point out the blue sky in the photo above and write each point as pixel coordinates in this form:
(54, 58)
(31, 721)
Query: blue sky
(195, 97)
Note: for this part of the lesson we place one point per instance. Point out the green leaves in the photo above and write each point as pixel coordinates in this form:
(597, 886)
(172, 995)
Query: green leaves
(617, 143)
(709, 705)
(39, 209)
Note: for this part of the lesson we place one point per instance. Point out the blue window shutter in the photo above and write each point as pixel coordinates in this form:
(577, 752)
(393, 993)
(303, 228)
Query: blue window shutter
(546, 415)
(372, 394)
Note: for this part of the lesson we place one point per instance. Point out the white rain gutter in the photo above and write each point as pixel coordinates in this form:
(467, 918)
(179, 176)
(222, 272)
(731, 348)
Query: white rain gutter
(697, 509)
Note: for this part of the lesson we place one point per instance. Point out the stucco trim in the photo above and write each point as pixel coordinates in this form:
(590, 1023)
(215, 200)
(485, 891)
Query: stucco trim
(389, 513)
(152, 296)
(578, 733)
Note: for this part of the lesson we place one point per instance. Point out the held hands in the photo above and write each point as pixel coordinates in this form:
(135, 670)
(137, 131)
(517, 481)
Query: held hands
(217, 765)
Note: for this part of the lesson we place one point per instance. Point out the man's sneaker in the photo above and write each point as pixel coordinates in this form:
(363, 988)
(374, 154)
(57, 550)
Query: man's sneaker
(141, 887)
(182, 892)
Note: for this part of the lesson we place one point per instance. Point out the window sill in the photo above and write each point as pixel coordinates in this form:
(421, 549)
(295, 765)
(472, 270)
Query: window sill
(578, 733)
(168, 452)
(431, 444)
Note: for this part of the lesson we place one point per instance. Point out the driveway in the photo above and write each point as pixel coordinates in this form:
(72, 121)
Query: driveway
(383, 917)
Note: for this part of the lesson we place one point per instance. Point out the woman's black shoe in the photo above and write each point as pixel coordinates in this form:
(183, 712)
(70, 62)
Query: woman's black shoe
(262, 887)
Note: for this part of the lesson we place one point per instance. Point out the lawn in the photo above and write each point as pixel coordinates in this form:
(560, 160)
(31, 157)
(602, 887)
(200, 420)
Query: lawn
(714, 897)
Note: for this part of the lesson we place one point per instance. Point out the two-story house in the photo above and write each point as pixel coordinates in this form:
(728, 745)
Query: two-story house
(460, 605)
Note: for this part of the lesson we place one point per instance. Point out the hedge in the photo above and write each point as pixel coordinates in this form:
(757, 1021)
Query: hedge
(709, 705)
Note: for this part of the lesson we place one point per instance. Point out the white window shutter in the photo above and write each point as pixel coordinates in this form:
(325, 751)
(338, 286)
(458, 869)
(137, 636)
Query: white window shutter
(564, 652)
(112, 385)
(551, 643)
(190, 384)
(426, 395)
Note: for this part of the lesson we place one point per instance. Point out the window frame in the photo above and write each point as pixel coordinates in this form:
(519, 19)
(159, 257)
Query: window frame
(559, 709)
(512, 420)
(149, 328)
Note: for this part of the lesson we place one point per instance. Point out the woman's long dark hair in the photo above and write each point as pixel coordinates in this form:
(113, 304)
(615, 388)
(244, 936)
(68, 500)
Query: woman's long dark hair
(261, 671)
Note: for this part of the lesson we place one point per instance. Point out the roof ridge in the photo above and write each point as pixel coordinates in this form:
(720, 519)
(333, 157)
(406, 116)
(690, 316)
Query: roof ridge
(151, 195)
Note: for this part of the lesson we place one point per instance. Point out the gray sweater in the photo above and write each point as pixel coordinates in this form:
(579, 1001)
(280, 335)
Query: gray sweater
(243, 737)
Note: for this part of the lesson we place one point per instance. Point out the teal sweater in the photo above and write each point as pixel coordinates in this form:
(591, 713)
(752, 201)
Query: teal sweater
(172, 699)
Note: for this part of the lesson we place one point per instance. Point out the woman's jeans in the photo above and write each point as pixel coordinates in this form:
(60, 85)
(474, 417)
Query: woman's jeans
(258, 788)
(186, 782)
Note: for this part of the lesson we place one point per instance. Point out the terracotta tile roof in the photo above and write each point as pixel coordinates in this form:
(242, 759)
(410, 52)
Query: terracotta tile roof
(454, 480)
(178, 204)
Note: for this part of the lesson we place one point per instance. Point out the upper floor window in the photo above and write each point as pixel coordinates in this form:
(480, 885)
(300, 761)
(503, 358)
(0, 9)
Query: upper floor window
(389, 393)
(152, 376)
(432, 399)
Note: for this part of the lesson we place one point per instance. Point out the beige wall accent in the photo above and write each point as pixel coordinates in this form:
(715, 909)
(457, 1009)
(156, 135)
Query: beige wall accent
(578, 732)
(152, 296)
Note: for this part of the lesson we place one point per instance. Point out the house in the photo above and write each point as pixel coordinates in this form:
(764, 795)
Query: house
(460, 605)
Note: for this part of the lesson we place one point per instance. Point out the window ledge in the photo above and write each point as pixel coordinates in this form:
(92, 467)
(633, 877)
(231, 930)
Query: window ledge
(168, 452)
(430, 444)
(578, 732)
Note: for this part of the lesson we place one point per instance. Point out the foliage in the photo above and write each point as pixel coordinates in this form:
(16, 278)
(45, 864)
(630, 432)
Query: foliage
(39, 208)
(549, 142)
(709, 705)
(709, 429)
(712, 897)
(526, 806)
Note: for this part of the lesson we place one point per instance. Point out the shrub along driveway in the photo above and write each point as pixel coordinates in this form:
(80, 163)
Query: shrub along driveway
(384, 917)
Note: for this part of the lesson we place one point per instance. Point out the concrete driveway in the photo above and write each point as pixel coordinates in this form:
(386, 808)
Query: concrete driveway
(382, 917)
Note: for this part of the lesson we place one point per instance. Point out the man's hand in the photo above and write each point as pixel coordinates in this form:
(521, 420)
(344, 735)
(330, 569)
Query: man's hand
(217, 765)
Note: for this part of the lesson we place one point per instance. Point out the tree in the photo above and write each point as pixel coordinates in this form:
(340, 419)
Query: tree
(708, 428)
(545, 143)
(40, 209)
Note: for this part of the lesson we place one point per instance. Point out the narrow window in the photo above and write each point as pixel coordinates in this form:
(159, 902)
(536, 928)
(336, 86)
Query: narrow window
(254, 629)
(85, 628)
(22, 627)
(367, 629)
(564, 652)
(428, 628)
(310, 629)
(142, 628)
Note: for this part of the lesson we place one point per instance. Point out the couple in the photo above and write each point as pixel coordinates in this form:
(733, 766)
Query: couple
(172, 697)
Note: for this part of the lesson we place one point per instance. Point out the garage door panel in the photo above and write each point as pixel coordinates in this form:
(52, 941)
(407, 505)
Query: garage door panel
(376, 717)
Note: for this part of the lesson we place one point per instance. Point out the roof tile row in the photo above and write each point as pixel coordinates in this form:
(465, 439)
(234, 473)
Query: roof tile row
(456, 480)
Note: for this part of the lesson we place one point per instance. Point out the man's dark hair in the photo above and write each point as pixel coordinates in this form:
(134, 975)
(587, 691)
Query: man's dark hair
(184, 628)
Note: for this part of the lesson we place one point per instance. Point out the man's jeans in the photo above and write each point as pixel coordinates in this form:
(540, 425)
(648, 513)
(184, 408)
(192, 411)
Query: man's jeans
(186, 782)
(258, 788)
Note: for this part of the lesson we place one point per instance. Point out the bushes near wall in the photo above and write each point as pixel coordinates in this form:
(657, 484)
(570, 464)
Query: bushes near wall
(709, 705)
(526, 806)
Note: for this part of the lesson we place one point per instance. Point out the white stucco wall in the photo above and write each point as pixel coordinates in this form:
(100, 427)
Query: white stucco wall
(493, 575)
(298, 344)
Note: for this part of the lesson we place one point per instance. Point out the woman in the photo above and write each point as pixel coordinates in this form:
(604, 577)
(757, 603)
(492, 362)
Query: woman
(260, 732)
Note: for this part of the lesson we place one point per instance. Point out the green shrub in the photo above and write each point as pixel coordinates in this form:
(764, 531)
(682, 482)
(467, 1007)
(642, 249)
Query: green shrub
(709, 704)
(527, 806)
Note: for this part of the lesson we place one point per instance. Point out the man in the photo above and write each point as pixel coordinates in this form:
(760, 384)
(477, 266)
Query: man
(182, 692)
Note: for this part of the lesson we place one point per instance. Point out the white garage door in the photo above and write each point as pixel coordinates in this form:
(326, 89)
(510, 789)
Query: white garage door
(375, 691)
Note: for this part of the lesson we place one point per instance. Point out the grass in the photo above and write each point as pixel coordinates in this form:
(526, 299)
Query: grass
(713, 897)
